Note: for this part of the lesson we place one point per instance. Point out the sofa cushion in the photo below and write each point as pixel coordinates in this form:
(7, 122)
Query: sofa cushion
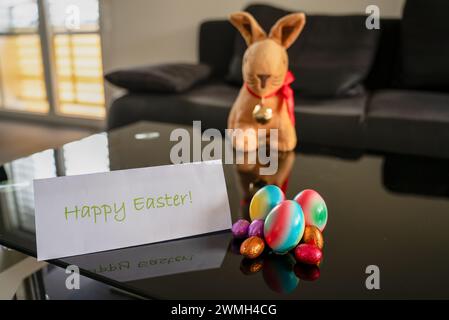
(332, 122)
(209, 103)
(329, 122)
(412, 122)
(167, 78)
(332, 56)
(216, 51)
(425, 45)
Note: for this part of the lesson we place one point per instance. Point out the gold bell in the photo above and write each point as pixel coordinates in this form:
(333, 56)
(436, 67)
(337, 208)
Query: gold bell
(262, 114)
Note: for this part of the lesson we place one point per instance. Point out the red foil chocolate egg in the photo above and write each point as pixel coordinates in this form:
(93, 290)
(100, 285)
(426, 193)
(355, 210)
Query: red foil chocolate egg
(308, 254)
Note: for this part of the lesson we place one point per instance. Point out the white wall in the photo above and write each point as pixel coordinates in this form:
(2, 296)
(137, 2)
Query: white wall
(136, 32)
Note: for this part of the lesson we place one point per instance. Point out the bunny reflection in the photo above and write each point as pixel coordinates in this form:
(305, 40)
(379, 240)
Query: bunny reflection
(251, 180)
(199, 145)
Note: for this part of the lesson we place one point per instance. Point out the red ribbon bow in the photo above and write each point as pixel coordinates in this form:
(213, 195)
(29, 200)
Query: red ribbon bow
(285, 92)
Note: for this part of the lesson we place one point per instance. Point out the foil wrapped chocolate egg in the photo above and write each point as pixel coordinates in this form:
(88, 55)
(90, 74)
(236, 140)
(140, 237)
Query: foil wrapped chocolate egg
(313, 235)
(252, 247)
(240, 229)
(256, 228)
(308, 254)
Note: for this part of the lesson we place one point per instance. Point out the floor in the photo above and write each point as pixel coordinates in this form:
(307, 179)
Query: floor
(21, 138)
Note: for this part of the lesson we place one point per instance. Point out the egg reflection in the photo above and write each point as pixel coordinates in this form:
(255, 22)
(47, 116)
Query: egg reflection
(278, 273)
(251, 266)
(307, 272)
(252, 179)
(281, 273)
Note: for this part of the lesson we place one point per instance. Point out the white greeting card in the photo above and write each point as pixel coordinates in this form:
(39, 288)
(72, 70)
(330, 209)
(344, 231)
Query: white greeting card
(103, 211)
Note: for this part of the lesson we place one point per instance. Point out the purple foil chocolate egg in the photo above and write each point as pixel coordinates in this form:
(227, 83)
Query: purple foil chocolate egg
(240, 229)
(256, 228)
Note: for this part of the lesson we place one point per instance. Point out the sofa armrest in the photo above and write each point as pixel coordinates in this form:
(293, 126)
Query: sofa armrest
(216, 46)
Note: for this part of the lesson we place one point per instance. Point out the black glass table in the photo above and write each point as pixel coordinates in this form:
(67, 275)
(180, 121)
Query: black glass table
(384, 210)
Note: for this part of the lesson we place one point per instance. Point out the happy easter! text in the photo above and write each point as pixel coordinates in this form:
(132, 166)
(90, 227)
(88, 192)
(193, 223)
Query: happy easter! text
(117, 211)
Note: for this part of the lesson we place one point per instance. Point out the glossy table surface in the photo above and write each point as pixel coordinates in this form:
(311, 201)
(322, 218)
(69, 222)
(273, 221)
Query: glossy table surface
(387, 211)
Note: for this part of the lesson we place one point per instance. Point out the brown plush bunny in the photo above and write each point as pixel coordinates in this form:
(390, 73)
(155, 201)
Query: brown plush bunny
(265, 100)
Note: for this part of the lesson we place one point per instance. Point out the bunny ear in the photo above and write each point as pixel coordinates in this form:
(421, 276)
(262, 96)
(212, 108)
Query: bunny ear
(248, 27)
(288, 28)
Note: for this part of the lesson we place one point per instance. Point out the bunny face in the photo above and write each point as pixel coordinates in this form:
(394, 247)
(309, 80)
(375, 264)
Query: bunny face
(265, 62)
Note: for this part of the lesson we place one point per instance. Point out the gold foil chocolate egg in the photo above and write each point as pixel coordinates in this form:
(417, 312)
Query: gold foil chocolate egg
(313, 235)
(252, 247)
(262, 114)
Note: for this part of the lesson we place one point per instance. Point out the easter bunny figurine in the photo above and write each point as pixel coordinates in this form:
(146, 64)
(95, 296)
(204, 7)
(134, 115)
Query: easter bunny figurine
(265, 100)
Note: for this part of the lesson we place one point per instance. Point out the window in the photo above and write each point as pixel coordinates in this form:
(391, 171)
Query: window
(78, 57)
(21, 71)
(73, 72)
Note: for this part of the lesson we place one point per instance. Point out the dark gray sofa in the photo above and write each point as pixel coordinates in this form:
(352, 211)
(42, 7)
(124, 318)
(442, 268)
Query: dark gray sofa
(389, 113)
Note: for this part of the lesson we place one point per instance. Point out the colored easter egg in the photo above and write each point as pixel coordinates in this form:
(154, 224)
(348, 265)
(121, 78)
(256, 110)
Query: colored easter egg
(308, 254)
(264, 200)
(278, 273)
(314, 208)
(251, 266)
(252, 247)
(307, 272)
(313, 235)
(240, 228)
(284, 226)
(256, 228)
